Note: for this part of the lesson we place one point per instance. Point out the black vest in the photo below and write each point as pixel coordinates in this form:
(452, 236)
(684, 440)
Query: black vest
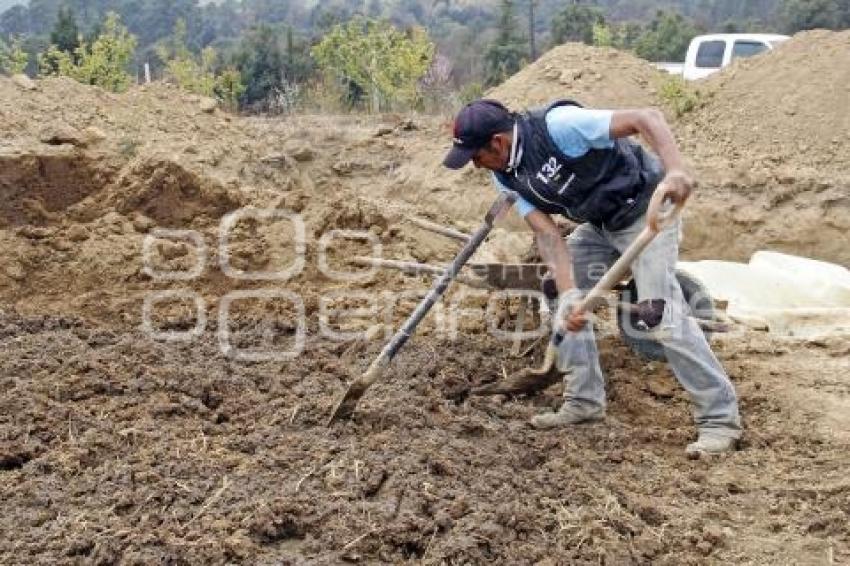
(609, 188)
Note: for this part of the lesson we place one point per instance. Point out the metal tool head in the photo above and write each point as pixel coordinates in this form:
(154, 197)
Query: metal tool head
(346, 405)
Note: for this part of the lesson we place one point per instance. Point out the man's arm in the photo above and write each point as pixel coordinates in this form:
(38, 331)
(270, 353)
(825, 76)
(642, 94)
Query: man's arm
(652, 126)
(555, 253)
(552, 248)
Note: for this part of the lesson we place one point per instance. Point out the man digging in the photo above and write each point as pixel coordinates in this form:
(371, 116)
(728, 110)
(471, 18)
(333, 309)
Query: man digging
(579, 163)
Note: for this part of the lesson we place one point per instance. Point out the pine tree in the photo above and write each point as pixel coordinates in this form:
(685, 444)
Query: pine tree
(261, 60)
(809, 14)
(666, 38)
(507, 54)
(65, 34)
(575, 23)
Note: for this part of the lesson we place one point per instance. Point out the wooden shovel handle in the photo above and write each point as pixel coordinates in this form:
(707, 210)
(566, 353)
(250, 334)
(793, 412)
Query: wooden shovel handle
(661, 219)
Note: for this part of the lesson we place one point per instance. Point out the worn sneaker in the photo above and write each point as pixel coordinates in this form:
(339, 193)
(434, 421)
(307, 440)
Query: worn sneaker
(569, 415)
(711, 444)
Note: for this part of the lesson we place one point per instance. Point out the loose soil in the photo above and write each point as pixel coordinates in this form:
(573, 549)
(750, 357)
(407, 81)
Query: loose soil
(117, 448)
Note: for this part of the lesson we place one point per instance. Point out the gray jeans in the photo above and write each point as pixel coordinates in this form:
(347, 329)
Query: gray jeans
(694, 364)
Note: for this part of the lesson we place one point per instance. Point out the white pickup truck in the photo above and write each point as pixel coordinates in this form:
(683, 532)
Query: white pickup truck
(708, 54)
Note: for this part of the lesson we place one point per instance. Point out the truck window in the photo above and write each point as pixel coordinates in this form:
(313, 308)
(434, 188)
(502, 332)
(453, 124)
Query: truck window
(747, 48)
(710, 54)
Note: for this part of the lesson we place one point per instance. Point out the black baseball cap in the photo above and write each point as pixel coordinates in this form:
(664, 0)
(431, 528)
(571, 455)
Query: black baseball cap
(473, 127)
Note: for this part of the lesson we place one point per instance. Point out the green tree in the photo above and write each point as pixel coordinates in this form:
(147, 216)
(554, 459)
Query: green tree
(810, 14)
(575, 23)
(198, 73)
(271, 63)
(666, 38)
(65, 37)
(229, 88)
(375, 57)
(298, 64)
(65, 34)
(329, 13)
(194, 74)
(508, 52)
(13, 59)
(260, 60)
(174, 47)
(626, 35)
(602, 36)
(103, 63)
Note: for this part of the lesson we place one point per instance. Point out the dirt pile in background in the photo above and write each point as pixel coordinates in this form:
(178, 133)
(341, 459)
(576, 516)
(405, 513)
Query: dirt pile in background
(787, 108)
(72, 154)
(87, 175)
(593, 76)
(60, 110)
(770, 146)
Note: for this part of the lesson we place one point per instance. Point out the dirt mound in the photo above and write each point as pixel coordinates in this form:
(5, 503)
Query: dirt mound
(59, 106)
(788, 108)
(770, 145)
(735, 213)
(55, 185)
(81, 208)
(593, 76)
(172, 195)
(38, 186)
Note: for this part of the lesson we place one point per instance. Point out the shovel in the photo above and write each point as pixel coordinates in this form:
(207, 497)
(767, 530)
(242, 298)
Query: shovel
(345, 407)
(534, 379)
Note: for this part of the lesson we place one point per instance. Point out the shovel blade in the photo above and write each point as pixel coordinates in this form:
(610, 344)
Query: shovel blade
(529, 380)
(348, 403)
(523, 382)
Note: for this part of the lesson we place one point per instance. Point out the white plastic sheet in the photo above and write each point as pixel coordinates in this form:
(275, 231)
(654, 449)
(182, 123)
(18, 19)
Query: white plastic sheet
(788, 295)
